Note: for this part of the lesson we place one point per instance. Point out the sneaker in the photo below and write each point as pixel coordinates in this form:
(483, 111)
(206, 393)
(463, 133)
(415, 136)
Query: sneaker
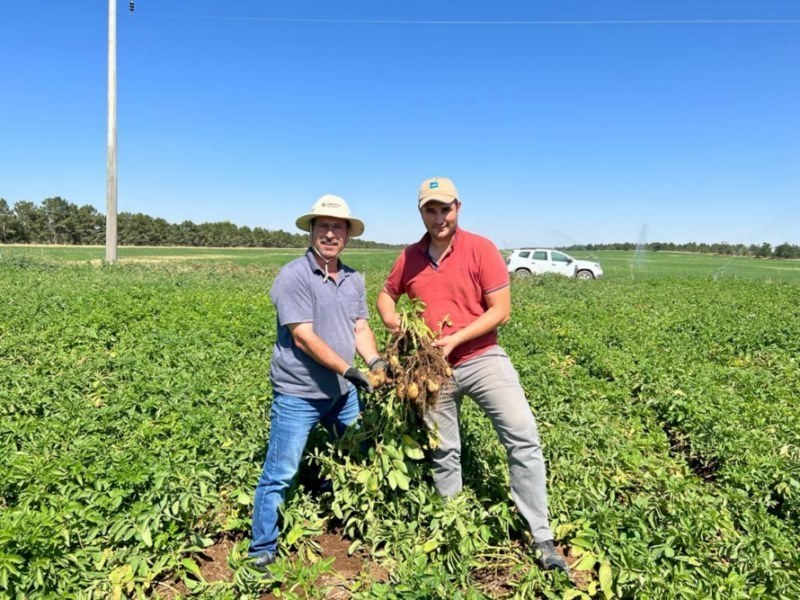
(548, 558)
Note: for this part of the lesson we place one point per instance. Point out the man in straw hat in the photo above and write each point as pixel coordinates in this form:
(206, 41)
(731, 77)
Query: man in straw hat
(462, 279)
(322, 322)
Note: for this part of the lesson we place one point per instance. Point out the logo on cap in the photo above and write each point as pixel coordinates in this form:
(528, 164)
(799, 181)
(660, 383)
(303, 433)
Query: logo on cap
(434, 185)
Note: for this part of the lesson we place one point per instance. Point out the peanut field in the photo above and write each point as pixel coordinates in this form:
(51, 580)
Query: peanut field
(134, 403)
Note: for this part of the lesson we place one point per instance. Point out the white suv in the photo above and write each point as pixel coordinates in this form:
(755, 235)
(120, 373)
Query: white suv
(537, 261)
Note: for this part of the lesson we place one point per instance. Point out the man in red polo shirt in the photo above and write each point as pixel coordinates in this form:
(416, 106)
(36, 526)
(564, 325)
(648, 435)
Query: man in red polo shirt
(462, 279)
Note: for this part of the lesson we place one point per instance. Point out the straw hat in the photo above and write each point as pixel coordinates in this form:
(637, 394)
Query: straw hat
(331, 206)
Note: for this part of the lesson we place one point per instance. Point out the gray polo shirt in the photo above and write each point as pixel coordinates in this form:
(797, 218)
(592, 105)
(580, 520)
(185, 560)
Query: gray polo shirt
(301, 295)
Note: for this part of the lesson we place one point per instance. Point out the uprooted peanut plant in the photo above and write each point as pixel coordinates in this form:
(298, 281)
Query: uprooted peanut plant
(417, 368)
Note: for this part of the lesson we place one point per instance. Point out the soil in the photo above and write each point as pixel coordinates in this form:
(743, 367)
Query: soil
(495, 581)
(345, 568)
(213, 563)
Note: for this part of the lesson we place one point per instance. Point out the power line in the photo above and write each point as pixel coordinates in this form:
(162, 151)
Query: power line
(491, 23)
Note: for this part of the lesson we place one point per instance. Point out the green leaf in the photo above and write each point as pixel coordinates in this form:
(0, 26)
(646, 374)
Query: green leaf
(190, 583)
(295, 534)
(415, 453)
(353, 547)
(606, 579)
(205, 542)
(581, 543)
(586, 562)
(192, 567)
(402, 480)
(146, 536)
(412, 448)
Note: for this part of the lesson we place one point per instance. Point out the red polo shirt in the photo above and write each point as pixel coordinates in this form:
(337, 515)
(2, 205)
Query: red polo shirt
(472, 268)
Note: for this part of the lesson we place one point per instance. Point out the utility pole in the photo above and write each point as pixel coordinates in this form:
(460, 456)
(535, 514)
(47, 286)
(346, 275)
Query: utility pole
(111, 161)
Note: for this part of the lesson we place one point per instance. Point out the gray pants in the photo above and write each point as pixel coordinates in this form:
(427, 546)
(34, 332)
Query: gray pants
(492, 382)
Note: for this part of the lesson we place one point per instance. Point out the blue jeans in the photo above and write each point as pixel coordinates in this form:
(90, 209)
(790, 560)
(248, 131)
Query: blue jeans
(291, 422)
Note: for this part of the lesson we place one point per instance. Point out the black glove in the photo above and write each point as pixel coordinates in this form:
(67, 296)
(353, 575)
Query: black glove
(377, 364)
(358, 379)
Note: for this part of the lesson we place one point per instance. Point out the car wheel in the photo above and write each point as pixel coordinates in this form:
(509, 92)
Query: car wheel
(584, 274)
(522, 273)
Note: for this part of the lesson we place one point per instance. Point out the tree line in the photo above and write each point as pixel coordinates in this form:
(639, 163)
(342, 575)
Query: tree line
(57, 221)
(765, 250)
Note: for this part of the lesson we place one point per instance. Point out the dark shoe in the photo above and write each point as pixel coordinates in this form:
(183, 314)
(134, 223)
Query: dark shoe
(261, 564)
(548, 558)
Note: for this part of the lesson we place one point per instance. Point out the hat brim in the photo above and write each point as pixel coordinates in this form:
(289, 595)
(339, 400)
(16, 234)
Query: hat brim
(356, 225)
(444, 199)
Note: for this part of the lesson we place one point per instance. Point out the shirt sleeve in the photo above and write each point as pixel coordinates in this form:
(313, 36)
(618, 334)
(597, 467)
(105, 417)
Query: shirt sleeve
(292, 298)
(395, 286)
(363, 311)
(493, 273)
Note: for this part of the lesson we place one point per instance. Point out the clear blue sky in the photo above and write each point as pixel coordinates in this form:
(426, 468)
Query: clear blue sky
(559, 123)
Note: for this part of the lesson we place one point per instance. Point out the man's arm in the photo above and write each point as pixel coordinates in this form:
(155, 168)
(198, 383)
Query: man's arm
(387, 310)
(497, 313)
(313, 345)
(366, 345)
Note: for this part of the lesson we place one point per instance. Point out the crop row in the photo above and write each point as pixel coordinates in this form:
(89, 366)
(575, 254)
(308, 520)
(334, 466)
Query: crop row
(674, 360)
(133, 418)
(717, 363)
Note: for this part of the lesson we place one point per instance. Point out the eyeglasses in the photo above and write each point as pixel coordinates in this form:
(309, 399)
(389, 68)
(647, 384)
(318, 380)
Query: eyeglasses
(336, 228)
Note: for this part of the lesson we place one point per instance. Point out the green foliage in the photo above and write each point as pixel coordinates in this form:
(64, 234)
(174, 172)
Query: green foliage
(130, 415)
(670, 440)
(133, 424)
